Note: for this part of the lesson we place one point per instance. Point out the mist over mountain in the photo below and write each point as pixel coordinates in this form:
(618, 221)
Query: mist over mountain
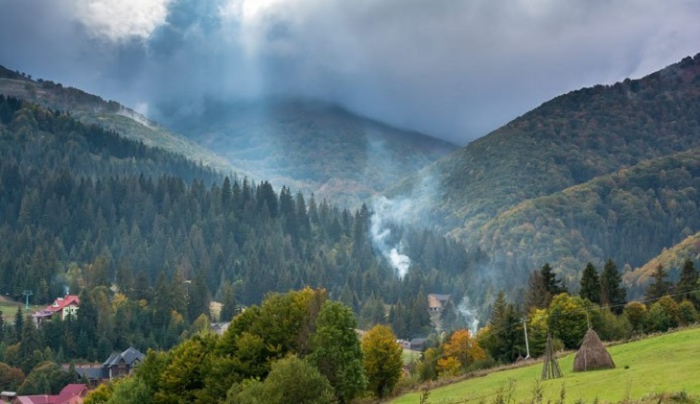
(455, 70)
(311, 146)
(572, 139)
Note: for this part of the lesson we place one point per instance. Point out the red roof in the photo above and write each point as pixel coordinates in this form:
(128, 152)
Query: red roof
(37, 399)
(62, 302)
(70, 391)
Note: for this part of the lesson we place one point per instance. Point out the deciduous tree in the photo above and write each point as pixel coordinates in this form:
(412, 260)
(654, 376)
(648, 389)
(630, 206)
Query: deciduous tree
(382, 360)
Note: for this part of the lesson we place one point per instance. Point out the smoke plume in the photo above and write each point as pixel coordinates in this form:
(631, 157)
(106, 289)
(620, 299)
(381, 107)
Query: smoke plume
(385, 213)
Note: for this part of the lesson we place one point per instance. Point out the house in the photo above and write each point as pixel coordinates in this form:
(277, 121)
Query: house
(63, 307)
(436, 302)
(416, 344)
(121, 364)
(71, 394)
(117, 365)
(7, 396)
(219, 328)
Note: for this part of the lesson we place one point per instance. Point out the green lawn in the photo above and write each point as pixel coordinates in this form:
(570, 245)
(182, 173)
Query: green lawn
(9, 309)
(667, 363)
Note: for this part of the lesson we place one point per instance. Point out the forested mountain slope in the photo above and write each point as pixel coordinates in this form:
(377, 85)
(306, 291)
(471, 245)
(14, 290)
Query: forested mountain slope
(91, 109)
(566, 141)
(630, 215)
(310, 146)
(86, 208)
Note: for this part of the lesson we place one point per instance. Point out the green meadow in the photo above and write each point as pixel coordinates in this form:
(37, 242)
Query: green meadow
(667, 363)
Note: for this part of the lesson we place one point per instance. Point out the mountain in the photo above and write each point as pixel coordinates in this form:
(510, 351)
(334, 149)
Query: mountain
(572, 139)
(91, 109)
(85, 207)
(310, 146)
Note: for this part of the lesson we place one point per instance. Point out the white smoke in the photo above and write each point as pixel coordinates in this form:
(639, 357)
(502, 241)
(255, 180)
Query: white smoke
(470, 314)
(385, 212)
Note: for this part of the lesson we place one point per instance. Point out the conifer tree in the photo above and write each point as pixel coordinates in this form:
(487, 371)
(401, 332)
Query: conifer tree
(688, 287)
(659, 287)
(612, 293)
(590, 284)
(536, 295)
(228, 309)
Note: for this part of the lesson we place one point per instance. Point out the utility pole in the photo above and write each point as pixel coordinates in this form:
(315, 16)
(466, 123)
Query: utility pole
(527, 343)
(26, 294)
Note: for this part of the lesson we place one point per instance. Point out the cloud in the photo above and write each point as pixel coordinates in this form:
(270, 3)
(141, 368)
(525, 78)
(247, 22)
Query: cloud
(121, 20)
(454, 69)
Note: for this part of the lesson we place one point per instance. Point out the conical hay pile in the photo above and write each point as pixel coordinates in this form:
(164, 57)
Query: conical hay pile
(592, 354)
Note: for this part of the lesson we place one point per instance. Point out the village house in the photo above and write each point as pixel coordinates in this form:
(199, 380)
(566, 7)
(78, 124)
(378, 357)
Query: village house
(117, 365)
(62, 307)
(436, 302)
(71, 394)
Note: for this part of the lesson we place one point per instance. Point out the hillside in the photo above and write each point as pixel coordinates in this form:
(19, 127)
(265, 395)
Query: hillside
(567, 141)
(310, 146)
(630, 215)
(91, 109)
(636, 376)
(672, 259)
(128, 208)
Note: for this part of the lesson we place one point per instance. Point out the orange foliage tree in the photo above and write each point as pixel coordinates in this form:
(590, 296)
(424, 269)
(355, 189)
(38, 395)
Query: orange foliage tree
(459, 352)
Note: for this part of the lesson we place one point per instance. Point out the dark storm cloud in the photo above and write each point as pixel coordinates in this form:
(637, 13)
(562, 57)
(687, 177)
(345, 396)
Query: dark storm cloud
(455, 69)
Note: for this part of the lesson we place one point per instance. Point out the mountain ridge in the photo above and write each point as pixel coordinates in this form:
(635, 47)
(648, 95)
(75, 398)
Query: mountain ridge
(310, 145)
(111, 115)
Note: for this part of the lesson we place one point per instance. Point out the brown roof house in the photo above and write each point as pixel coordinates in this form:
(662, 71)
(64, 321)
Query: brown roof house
(436, 302)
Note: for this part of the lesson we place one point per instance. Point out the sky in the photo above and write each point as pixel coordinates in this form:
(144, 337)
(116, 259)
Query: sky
(454, 69)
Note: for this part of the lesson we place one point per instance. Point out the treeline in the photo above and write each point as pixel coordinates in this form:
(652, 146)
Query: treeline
(295, 347)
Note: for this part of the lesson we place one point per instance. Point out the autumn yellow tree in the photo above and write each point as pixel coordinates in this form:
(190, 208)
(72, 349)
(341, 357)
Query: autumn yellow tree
(382, 360)
(459, 352)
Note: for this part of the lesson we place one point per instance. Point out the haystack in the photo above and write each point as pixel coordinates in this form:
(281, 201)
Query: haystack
(592, 354)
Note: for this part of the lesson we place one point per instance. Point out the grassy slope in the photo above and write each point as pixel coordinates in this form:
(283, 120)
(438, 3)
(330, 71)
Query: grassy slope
(667, 363)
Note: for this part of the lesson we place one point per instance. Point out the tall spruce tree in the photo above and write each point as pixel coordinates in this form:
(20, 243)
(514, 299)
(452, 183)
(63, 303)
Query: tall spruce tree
(590, 284)
(228, 309)
(612, 293)
(659, 287)
(687, 286)
(536, 294)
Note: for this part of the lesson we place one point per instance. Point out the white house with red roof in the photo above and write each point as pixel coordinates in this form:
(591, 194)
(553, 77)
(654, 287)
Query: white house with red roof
(63, 307)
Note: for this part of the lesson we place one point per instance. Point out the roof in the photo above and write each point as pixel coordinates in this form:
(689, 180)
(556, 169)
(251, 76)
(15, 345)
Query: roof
(37, 399)
(92, 372)
(62, 302)
(70, 392)
(129, 356)
(436, 301)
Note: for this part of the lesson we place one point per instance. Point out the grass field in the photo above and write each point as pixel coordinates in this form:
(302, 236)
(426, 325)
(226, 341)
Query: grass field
(665, 364)
(9, 309)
